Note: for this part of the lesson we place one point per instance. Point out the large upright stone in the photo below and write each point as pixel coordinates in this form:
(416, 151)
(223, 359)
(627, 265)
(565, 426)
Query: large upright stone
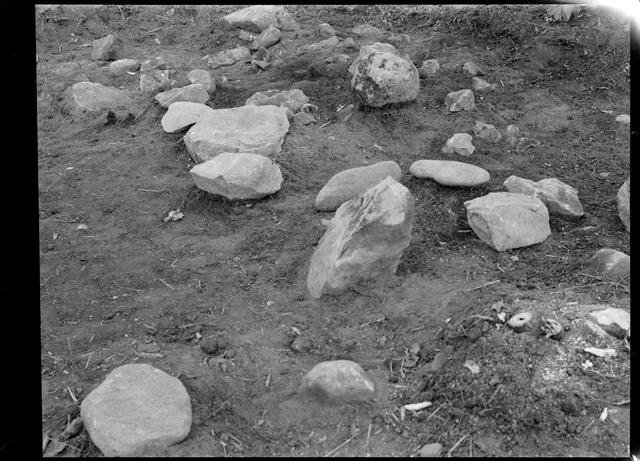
(190, 93)
(338, 380)
(450, 173)
(291, 99)
(88, 98)
(364, 240)
(136, 408)
(257, 18)
(560, 198)
(382, 76)
(624, 204)
(350, 183)
(252, 129)
(106, 48)
(504, 220)
(460, 100)
(182, 114)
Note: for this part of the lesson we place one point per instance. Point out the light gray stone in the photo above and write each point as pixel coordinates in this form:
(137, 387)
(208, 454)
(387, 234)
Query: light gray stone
(326, 44)
(459, 143)
(88, 98)
(204, 78)
(229, 57)
(609, 264)
(364, 240)
(504, 220)
(182, 114)
(122, 66)
(326, 30)
(303, 118)
(245, 36)
(560, 198)
(511, 131)
(613, 320)
(338, 380)
(624, 204)
(472, 68)
(367, 32)
(350, 183)
(257, 18)
(136, 408)
(291, 99)
(625, 119)
(450, 173)
(481, 85)
(153, 81)
(429, 68)
(238, 176)
(460, 100)
(68, 69)
(191, 93)
(430, 450)
(268, 37)
(153, 63)
(486, 131)
(106, 48)
(251, 129)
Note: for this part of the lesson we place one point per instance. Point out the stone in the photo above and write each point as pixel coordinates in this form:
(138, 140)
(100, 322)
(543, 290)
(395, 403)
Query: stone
(229, 57)
(338, 380)
(511, 131)
(137, 407)
(397, 40)
(364, 240)
(613, 320)
(68, 69)
(472, 68)
(329, 43)
(251, 129)
(291, 99)
(155, 80)
(609, 264)
(191, 93)
(122, 66)
(326, 30)
(429, 68)
(506, 220)
(348, 43)
(460, 100)
(303, 118)
(238, 176)
(88, 98)
(204, 78)
(450, 173)
(106, 48)
(520, 321)
(182, 114)
(334, 66)
(625, 119)
(262, 65)
(486, 131)
(367, 32)
(350, 183)
(430, 450)
(152, 64)
(560, 198)
(268, 37)
(382, 76)
(257, 18)
(262, 54)
(624, 204)
(245, 36)
(481, 85)
(459, 143)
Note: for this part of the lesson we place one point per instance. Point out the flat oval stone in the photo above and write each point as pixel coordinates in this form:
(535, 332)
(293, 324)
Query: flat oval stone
(450, 173)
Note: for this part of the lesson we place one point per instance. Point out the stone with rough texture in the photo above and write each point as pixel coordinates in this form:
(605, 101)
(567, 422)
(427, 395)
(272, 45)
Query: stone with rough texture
(486, 131)
(191, 93)
(364, 240)
(251, 129)
(333, 66)
(238, 176)
(204, 78)
(459, 143)
(460, 100)
(625, 119)
(68, 69)
(106, 48)
(450, 173)
(326, 44)
(382, 76)
(303, 118)
(472, 68)
(257, 18)
(560, 198)
(609, 264)
(326, 30)
(229, 57)
(613, 320)
(122, 66)
(481, 85)
(367, 32)
(291, 99)
(624, 204)
(350, 183)
(155, 80)
(268, 37)
(430, 450)
(153, 63)
(429, 68)
(338, 380)
(88, 98)
(182, 114)
(137, 407)
(261, 54)
(504, 220)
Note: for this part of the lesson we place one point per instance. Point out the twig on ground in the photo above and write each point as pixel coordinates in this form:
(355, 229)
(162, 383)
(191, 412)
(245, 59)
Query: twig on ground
(484, 285)
(228, 300)
(166, 284)
(456, 445)
(153, 190)
(336, 449)
(585, 429)
(622, 402)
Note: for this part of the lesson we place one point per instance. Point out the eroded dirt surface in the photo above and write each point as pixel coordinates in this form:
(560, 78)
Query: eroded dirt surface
(132, 288)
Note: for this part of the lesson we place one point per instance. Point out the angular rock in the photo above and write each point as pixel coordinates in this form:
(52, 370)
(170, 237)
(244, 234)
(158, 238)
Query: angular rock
(613, 320)
(122, 66)
(430, 450)
(229, 57)
(251, 129)
(625, 119)
(472, 68)
(268, 37)
(154, 80)
(450, 173)
(351, 183)
(88, 98)
(338, 380)
(511, 131)
(459, 143)
(303, 118)
(460, 100)
(504, 220)
(382, 76)
(106, 48)
(326, 30)
(152, 64)
(560, 198)
(525, 143)
(364, 240)
(204, 78)
(486, 131)
(609, 264)
(238, 176)
(329, 43)
(182, 114)
(262, 54)
(429, 68)
(137, 407)
(481, 85)
(347, 43)
(257, 18)
(624, 205)
(367, 32)
(333, 66)
(291, 99)
(190, 93)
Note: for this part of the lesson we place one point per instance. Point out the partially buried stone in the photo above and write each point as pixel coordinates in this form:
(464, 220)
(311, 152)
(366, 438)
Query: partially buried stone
(136, 408)
(338, 380)
(202, 77)
(472, 68)
(88, 98)
(367, 32)
(333, 66)
(326, 30)
(245, 36)
(68, 69)
(291, 99)
(460, 100)
(481, 85)
(429, 68)
(190, 93)
(106, 48)
(122, 66)
(560, 198)
(154, 80)
(520, 321)
(450, 173)
(153, 63)
(613, 320)
(182, 114)
(486, 131)
(262, 54)
(625, 119)
(624, 204)
(303, 118)
(459, 143)
(328, 43)
(229, 57)
(609, 264)
(268, 37)
(430, 450)
(511, 131)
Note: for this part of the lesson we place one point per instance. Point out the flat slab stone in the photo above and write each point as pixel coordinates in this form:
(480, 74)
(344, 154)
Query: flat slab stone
(136, 408)
(182, 114)
(624, 204)
(122, 66)
(350, 183)
(504, 220)
(613, 320)
(560, 198)
(291, 99)
(609, 264)
(460, 100)
(459, 143)
(430, 450)
(190, 93)
(238, 176)
(450, 173)
(257, 18)
(341, 380)
(86, 98)
(251, 129)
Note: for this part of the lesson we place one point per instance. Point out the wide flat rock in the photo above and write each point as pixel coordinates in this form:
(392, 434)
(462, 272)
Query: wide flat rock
(89, 98)
(182, 114)
(257, 18)
(342, 380)
(190, 93)
(560, 198)
(450, 173)
(609, 264)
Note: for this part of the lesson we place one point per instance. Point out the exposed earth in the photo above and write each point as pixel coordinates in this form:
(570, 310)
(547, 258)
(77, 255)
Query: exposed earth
(231, 276)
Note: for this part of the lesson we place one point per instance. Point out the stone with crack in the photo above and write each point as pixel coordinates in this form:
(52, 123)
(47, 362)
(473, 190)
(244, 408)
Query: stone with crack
(560, 198)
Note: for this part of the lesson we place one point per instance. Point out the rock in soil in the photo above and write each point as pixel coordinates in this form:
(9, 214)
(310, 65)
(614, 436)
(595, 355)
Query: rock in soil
(190, 93)
(229, 57)
(154, 80)
(204, 78)
(609, 264)
(106, 48)
(482, 86)
(338, 380)
(367, 32)
(430, 450)
(268, 37)
(301, 344)
(88, 98)
(303, 118)
(182, 114)
(624, 207)
(613, 320)
(459, 143)
(472, 68)
(520, 321)
(460, 100)
(326, 30)
(122, 66)
(450, 173)
(625, 119)
(291, 99)
(257, 18)
(560, 198)
(429, 68)
(486, 131)
(333, 66)
(68, 69)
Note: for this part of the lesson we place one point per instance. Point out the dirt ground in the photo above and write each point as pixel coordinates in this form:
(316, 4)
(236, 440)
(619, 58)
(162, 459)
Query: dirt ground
(132, 288)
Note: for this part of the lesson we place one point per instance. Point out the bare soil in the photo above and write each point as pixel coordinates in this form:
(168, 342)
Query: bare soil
(132, 288)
